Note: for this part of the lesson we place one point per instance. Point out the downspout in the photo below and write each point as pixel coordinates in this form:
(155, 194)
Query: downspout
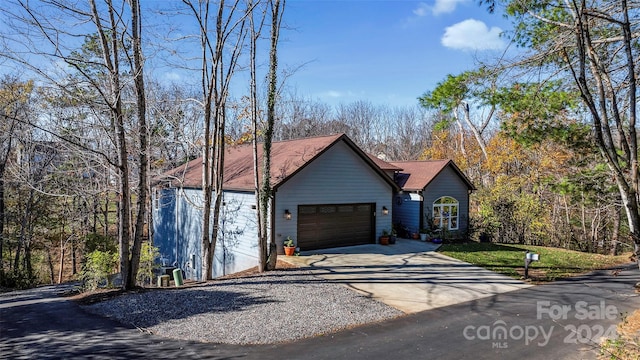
(273, 219)
(223, 215)
(422, 214)
(175, 215)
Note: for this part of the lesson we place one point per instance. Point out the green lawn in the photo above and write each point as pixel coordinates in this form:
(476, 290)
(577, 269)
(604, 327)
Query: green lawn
(508, 259)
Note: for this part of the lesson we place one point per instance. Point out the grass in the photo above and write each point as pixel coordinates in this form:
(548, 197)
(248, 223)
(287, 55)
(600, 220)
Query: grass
(554, 263)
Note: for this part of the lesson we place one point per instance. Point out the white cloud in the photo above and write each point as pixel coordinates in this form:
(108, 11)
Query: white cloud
(472, 34)
(333, 94)
(446, 6)
(172, 76)
(439, 7)
(422, 9)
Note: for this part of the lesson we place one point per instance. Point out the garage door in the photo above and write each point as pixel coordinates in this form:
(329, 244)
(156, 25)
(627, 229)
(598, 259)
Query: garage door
(334, 225)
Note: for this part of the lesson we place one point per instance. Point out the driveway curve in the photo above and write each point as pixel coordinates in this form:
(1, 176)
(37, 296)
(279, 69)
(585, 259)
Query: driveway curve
(409, 275)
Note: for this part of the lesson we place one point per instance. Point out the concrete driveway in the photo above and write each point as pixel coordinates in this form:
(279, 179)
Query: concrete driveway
(409, 275)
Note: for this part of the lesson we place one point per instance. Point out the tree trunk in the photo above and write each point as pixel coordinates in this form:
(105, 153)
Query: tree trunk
(23, 240)
(60, 272)
(603, 106)
(111, 53)
(272, 94)
(2, 208)
(74, 260)
(260, 220)
(141, 109)
(615, 231)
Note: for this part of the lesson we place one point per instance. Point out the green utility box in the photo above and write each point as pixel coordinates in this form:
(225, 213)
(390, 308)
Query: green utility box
(177, 277)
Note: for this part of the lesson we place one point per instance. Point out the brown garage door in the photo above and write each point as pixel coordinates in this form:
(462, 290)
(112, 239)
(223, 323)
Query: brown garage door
(334, 225)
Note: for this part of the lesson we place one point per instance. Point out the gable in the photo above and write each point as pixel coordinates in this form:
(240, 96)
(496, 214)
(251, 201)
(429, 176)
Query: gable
(417, 175)
(287, 159)
(340, 171)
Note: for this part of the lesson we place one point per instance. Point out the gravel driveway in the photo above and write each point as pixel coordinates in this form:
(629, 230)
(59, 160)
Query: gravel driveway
(273, 307)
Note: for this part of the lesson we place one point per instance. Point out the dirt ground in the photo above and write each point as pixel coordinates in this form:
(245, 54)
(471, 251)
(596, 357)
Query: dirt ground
(627, 346)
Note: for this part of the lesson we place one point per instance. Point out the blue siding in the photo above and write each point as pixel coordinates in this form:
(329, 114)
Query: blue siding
(189, 232)
(406, 210)
(164, 222)
(178, 232)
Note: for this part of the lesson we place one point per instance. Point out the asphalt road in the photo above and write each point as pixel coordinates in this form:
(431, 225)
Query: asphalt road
(562, 320)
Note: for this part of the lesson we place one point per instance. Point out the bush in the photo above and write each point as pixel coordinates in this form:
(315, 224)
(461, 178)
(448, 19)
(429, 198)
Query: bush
(148, 264)
(20, 279)
(98, 267)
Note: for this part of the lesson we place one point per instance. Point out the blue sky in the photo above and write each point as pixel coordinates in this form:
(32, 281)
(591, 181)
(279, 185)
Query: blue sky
(385, 52)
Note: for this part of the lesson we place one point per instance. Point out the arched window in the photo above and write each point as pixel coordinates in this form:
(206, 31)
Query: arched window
(445, 213)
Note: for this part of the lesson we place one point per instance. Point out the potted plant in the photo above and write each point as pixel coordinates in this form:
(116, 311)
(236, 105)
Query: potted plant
(384, 239)
(289, 246)
(392, 238)
(424, 233)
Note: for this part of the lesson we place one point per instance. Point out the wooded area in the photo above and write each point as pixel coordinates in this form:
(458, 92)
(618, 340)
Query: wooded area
(546, 133)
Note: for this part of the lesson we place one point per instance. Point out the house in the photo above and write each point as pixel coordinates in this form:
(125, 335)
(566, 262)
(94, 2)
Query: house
(327, 193)
(435, 192)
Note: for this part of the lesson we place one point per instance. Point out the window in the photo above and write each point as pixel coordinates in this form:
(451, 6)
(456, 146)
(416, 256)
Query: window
(445, 213)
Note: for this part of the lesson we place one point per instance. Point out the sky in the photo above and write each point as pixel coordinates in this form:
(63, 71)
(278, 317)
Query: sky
(383, 52)
(386, 52)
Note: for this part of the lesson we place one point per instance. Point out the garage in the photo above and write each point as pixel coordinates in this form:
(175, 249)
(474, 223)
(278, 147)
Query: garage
(334, 225)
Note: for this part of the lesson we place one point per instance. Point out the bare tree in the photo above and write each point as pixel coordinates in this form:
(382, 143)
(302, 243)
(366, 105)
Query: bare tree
(277, 10)
(261, 216)
(222, 36)
(94, 77)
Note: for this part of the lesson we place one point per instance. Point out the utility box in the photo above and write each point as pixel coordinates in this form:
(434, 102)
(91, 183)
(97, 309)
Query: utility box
(177, 277)
(163, 280)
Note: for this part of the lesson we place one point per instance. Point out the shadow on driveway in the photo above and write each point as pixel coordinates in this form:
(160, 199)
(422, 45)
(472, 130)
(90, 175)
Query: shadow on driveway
(39, 324)
(410, 275)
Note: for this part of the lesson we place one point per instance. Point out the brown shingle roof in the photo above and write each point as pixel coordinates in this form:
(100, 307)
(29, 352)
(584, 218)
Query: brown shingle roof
(287, 158)
(383, 164)
(416, 175)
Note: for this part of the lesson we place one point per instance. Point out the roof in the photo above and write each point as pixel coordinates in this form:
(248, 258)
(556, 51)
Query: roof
(416, 175)
(383, 164)
(287, 158)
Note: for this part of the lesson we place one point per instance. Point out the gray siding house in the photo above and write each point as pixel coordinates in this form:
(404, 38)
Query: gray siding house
(328, 193)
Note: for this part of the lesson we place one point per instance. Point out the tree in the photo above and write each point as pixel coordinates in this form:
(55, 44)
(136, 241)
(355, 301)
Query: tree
(593, 48)
(457, 94)
(14, 100)
(137, 69)
(95, 78)
(272, 94)
(221, 39)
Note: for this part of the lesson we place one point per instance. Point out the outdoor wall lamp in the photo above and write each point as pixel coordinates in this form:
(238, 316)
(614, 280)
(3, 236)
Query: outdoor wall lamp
(385, 211)
(287, 214)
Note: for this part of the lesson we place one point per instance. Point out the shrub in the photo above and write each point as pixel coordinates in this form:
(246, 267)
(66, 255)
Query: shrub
(148, 264)
(20, 279)
(98, 267)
